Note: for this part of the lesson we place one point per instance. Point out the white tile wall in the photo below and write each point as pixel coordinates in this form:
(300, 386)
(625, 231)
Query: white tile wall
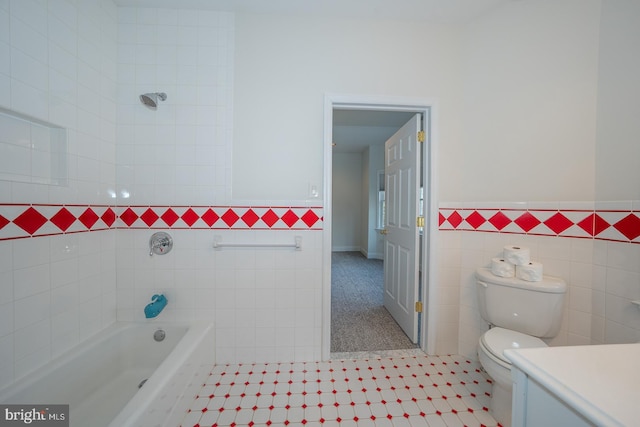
(59, 66)
(181, 152)
(615, 320)
(449, 293)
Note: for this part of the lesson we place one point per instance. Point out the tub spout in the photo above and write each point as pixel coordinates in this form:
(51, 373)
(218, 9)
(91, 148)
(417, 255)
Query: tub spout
(158, 302)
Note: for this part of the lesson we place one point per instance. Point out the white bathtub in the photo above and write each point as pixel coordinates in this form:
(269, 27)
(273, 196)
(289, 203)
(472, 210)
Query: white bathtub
(99, 379)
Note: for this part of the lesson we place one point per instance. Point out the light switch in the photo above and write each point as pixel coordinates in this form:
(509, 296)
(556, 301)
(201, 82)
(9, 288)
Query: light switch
(313, 191)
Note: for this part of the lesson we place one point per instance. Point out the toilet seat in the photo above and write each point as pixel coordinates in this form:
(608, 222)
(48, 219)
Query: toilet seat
(497, 340)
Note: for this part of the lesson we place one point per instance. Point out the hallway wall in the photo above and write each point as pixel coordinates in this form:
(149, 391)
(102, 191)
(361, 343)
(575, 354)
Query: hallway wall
(346, 234)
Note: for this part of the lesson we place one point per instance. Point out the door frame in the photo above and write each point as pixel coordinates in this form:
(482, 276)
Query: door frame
(428, 108)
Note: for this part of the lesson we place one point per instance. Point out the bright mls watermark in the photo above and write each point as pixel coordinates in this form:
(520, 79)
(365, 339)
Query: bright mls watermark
(35, 415)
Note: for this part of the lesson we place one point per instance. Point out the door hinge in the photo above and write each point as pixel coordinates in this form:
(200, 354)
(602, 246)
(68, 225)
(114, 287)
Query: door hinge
(420, 221)
(421, 136)
(418, 306)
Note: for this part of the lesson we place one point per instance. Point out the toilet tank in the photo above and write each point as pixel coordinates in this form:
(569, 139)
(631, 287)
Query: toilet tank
(533, 308)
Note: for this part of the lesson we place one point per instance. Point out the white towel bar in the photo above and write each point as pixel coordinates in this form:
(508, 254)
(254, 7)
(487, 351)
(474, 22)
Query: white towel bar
(297, 244)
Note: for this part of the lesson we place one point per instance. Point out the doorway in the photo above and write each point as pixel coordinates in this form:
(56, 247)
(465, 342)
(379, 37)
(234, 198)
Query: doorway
(377, 107)
(364, 315)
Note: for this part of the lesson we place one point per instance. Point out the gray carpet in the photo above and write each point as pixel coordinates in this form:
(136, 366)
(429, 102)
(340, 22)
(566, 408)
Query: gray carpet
(359, 321)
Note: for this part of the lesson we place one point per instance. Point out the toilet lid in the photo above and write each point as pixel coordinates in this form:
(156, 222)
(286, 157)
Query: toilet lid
(497, 340)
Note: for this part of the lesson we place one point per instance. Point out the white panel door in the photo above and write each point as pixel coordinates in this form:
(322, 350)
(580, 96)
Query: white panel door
(402, 169)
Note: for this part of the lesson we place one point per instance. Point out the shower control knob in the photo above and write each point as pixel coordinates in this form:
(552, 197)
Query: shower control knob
(160, 243)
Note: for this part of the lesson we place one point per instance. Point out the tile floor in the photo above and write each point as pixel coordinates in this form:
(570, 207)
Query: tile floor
(396, 391)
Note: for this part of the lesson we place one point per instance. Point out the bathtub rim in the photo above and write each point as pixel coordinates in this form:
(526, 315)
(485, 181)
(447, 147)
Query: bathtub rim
(185, 348)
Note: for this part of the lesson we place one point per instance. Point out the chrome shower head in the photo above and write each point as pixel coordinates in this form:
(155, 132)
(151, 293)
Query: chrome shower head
(151, 99)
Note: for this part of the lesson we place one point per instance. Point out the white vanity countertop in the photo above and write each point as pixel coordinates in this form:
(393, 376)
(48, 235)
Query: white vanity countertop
(601, 382)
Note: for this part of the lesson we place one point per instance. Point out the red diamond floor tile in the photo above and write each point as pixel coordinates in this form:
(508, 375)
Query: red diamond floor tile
(425, 391)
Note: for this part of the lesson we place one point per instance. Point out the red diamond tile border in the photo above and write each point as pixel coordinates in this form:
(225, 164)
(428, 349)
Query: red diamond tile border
(230, 217)
(88, 218)
(169, 217)
(210, 217)
(618, 226)
(629, 226)
(19, 221)
(190, 217)
(149, 217)
(219, 217)
(250, 218)
(30, 220)
(24, 220)
(63, 219)
(270, 218)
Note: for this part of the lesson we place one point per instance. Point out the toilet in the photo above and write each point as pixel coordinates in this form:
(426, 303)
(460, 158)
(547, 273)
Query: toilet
(519, 314)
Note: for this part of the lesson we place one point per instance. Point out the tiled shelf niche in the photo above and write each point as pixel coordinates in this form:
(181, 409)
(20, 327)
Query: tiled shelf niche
(32, 150)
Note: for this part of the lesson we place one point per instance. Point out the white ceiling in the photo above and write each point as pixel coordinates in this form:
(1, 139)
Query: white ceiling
(442, 11)
(393, 119)
(354, 130)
